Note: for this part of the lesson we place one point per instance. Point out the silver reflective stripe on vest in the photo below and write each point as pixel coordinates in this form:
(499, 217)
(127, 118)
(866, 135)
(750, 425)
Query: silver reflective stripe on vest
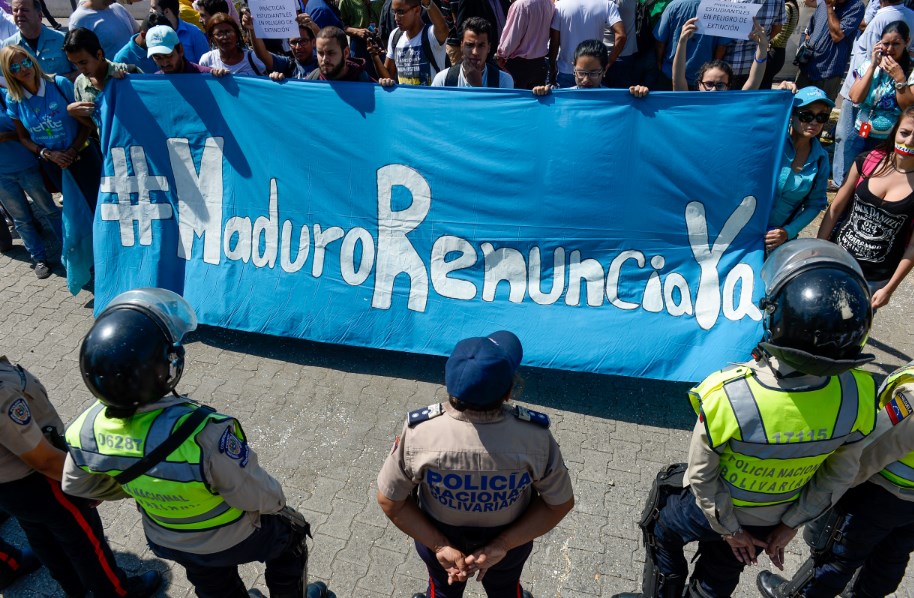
(87, 431)
(174, 472)
(901, 470)
(750, 496)
(164, 424)
(746, 411)
(847, 413)
(212, 514)
(790, 450)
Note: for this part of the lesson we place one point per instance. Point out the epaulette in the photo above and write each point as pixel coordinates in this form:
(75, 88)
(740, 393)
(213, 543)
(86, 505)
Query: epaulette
(529, 415)
(423, 415)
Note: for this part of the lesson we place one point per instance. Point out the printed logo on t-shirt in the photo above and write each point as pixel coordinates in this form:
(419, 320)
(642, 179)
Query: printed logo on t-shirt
(413, 67)
(476, 493)
(870, 232)
(19, 412)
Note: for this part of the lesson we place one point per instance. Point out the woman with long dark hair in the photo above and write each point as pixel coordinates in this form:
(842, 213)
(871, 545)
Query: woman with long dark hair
(872, 215)
(880, 91)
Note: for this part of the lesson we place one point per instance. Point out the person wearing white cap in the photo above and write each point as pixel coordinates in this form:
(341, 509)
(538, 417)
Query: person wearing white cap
(490, 476)
(164, 47)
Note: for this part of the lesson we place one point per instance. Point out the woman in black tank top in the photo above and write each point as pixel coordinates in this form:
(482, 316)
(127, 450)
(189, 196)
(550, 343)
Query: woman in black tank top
(873, 213)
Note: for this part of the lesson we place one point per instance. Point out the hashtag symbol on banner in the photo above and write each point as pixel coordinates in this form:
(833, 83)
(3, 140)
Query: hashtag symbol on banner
(124, 185)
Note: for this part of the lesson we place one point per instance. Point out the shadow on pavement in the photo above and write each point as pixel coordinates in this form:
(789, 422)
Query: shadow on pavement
(635, 400)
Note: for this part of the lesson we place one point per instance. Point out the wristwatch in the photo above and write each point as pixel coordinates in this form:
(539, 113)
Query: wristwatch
(902, 85)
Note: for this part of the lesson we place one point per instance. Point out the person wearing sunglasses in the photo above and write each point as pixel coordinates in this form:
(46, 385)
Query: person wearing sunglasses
(803, 177)
(38, 104)
(716, 75)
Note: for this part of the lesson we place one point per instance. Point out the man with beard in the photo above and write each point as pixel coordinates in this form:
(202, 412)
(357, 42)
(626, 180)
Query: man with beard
(333, 61)
(168, 52)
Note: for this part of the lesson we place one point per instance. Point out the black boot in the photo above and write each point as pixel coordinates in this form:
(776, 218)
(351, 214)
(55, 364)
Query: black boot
(143, 586)
(771, 585)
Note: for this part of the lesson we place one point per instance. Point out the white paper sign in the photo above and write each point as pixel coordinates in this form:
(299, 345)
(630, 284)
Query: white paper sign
(726, 19)
(274, 19)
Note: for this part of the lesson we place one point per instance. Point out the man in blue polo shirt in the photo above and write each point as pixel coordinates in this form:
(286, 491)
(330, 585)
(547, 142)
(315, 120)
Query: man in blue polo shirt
(39, 40)
(192, 39)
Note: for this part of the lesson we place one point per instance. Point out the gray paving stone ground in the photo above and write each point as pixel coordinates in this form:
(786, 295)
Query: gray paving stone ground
(322, 419)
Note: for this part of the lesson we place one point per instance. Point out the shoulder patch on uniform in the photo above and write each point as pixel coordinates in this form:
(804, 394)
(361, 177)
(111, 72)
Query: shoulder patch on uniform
(423, 415)
(233, 447)
(19, 412)
(529, 415)
(898, 408)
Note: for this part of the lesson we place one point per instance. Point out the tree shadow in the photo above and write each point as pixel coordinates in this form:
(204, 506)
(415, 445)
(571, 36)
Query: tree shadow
(635, 400)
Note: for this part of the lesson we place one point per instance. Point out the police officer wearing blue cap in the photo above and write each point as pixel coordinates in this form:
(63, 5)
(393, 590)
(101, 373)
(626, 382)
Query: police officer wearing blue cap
(803, 176)
(474, 480)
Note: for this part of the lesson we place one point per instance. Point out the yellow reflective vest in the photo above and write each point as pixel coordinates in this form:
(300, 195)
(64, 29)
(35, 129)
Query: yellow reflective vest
(173, 493)
(772, 441)
(898, 407)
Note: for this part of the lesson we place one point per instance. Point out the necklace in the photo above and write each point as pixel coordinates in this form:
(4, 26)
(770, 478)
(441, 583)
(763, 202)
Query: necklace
(899, 170)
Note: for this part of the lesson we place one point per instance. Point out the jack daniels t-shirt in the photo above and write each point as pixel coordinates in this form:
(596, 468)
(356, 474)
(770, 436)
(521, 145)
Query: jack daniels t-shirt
(876, 231)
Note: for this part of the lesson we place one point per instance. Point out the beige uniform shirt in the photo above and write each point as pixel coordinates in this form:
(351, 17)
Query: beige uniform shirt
(830, 481)
(887, 444)
(475, 469)
(24, 411)
(247, 487)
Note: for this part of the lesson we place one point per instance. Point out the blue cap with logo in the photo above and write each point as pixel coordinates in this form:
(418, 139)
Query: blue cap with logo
(809, 95)
(161, 39)
(480, 370)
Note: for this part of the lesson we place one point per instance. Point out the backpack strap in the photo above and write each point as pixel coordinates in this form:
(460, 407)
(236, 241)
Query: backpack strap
(869, 164)
(453, 74)
(397, 34)
(161, 452)
(493, 76)
(253, 66)
(427, 48)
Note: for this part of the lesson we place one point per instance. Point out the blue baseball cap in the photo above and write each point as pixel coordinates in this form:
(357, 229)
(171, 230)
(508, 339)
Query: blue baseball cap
(809, 95)
(481, 370)
(161, 39)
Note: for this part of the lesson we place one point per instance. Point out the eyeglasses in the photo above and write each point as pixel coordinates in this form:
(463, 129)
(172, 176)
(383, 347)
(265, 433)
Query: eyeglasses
(588, 74)
(25, 64)
(715, 85)
(808, 117)
(402, 11)
(299, 42)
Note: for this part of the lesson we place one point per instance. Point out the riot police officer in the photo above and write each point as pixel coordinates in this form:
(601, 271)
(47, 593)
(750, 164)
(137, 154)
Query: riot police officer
(872, 528)
(489, 477)
(205, 501)
(776, 436)
(65, 533)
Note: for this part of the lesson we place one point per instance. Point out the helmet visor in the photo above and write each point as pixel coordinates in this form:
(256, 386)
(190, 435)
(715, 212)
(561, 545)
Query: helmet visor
(173, 310)
(799, 255)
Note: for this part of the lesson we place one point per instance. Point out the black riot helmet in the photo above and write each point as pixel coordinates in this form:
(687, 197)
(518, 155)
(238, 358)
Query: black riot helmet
(132, 355)
(817, 307)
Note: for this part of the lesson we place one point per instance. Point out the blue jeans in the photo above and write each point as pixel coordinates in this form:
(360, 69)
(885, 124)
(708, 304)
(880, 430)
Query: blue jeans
(681, 521)
(878, 534)
(13, 188)
(216, 575)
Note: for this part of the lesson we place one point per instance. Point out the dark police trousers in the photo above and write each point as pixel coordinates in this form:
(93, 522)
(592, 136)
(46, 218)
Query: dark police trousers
(681, 521)
(501, 581)
(66, 535)
(216, 575)
(878, 534)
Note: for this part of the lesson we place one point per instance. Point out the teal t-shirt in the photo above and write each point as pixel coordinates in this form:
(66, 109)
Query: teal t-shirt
(45, 116)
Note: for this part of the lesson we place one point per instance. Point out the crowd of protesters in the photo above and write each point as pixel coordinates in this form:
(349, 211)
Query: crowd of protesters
(49, 129)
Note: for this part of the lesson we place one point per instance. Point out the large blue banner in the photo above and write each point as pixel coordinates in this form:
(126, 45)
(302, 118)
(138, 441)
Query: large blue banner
(611, 234)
